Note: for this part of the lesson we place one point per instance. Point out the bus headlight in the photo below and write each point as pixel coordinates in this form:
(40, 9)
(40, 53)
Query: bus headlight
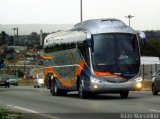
(139, 85)
(94, 80)
(138, 79)
(95, 86)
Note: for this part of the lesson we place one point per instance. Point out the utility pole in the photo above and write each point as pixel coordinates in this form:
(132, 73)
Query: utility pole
(81, 10)
(129, 17)
(24, 65)
(17, 31)
(41, 39)
(14, 29)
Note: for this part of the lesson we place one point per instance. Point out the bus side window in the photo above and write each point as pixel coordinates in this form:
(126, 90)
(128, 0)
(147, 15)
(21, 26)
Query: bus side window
(83, 47)
(67, 46)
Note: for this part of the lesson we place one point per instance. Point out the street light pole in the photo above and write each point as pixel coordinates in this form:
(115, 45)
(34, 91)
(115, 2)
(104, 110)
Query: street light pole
(129, 18)
(81, 11)
(14, 51)
(24, 58)
(14, 29)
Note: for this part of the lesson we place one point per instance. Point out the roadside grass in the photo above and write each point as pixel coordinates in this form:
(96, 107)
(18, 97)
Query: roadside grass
(7, 113)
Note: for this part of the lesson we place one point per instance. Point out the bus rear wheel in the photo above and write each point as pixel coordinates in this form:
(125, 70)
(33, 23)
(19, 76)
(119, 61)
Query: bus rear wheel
(124, 94)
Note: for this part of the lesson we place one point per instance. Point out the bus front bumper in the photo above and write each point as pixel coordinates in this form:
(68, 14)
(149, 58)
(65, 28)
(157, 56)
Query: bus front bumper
(104, 86)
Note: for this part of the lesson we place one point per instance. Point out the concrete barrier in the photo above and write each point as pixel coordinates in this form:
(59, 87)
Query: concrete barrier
(26, 82)
(146, 84)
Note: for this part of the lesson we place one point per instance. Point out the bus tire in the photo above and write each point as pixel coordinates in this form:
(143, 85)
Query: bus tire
(48, 82)
(124, 94)
(81, 91)
(54, 89)
(51, 89)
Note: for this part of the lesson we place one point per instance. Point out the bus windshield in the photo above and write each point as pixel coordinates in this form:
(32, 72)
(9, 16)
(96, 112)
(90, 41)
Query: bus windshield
(115, 52)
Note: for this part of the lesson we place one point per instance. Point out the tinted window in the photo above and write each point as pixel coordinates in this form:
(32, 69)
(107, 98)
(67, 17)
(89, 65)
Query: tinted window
(60, 47)
(84, 51)
(128, 52)
(104, 49)
(116, 52)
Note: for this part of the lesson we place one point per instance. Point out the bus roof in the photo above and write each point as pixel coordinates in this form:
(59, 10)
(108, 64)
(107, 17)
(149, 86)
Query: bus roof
(96, 26)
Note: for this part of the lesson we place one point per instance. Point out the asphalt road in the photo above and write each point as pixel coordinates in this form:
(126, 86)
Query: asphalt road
(40, 102)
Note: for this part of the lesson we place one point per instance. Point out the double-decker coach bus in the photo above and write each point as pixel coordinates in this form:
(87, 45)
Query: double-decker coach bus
(96, 56)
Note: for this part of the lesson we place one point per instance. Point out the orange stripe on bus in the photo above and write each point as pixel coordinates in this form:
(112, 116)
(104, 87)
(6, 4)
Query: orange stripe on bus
(47, 57)
(108, 74)
(80, 68)
(103, 73)
(65, 83)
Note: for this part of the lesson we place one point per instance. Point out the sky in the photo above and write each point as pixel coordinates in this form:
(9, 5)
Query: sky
(146, 12)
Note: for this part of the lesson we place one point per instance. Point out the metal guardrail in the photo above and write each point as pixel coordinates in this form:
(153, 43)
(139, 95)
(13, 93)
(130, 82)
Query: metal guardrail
(21, 67)
(147, 71)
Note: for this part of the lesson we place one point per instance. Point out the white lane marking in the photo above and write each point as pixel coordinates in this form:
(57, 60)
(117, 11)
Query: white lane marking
(32, 111)
(21, 108)
(153, 110)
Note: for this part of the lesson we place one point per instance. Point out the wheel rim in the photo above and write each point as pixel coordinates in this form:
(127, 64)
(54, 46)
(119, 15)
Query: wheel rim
(55, 89)
(80, 89)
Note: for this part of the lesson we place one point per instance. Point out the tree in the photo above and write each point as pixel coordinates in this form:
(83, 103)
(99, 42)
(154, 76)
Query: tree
(34, 37)
(3, 35)
(152, 48)
(1, 63)
(11, 42)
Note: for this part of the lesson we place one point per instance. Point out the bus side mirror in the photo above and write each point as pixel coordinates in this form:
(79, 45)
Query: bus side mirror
(142, 38)
(90, 41)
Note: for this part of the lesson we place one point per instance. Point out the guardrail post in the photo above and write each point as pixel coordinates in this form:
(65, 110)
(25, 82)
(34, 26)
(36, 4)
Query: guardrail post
(156, 67)
(143, 71)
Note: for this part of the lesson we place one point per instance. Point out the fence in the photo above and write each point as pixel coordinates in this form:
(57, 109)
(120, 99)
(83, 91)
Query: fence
(147, 71)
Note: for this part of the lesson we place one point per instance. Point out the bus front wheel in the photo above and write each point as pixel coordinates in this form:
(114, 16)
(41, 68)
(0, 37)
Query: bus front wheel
(81, 91)
(54, 89)
(124, 94)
